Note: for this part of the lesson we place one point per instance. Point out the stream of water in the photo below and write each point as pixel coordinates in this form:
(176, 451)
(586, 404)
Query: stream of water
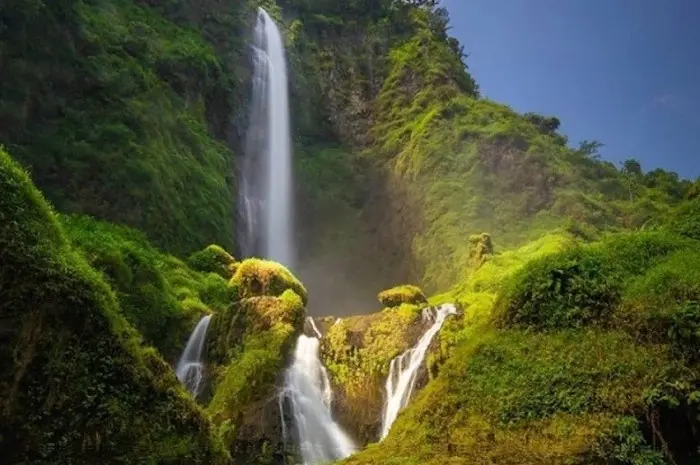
(404, 369)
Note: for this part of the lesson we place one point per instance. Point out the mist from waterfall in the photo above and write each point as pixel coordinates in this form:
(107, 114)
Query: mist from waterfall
(404, 369)
(265, 199)
(308, 393)
(190, 367)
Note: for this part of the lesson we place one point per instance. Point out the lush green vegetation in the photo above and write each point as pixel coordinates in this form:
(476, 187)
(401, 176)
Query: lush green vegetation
(578, 280)
(106, 103)
(569, 352)
(158, 294)
(76, 385)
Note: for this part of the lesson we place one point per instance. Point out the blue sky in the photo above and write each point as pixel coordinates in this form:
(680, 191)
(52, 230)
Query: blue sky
(624, 72)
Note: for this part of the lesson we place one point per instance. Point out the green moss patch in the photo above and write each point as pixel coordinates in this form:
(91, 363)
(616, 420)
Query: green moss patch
(255, 277)
(213, 259)
(405, 294)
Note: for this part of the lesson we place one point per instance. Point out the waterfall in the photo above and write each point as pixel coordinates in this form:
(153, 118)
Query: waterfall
(190, 367)
(266, 178)
(404, 368)
(308, 391)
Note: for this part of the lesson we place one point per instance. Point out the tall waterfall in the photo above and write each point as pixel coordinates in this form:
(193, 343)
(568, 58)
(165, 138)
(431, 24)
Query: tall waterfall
(404, 369)
(190, 367)
(266, 182)
(308, 391)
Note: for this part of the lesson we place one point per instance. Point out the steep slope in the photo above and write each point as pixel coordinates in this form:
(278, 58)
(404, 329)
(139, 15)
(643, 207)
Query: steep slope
(77, 387)
(160, 295)
(107, 104)
(430, 162)
(568, 353)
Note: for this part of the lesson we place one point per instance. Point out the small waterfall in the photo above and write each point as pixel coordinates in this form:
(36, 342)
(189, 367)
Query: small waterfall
(190, 367)
(266, 178)
(404, 368)
(308, 391)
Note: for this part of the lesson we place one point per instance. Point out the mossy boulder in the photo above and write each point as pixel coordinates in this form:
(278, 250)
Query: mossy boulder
(213, 259)
(248, 347)
(76, 385)
(256, 277)
(480, 246)
(357, 351)
(404, 294)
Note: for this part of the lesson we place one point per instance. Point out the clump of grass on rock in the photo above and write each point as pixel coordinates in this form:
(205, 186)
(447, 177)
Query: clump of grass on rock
(404, 294)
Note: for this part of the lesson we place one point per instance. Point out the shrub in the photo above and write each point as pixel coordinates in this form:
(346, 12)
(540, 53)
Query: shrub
(583, 285)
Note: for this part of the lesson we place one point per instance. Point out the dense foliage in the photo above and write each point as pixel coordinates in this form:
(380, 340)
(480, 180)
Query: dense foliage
(578, 279)
(106, 103)
(76, 386)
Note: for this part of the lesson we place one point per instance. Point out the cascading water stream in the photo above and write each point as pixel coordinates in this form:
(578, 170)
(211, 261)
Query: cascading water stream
(404, 369)
(190, 367)
(266, 181)
(308, 391)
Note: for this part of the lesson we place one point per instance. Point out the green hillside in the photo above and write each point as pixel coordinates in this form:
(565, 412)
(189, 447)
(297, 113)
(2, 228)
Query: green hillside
(122, 123)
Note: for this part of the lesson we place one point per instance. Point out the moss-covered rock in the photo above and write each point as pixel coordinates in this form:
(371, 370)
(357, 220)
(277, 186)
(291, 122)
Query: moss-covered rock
(76, 385)
(357, 352)
(480, 247)
(404, 294)
(256, 277)
(248, 346)
(213, 259)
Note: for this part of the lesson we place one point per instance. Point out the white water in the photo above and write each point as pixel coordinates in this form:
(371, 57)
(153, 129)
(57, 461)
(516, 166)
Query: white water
(308, 390)
(266, 185)
(404, 368)
(190, 367)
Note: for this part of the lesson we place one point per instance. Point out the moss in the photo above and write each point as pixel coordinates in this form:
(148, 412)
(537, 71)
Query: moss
(248, 346)
(78, 388)
(158, 294)
(404, 294)
(213, 259)
(255, 277)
